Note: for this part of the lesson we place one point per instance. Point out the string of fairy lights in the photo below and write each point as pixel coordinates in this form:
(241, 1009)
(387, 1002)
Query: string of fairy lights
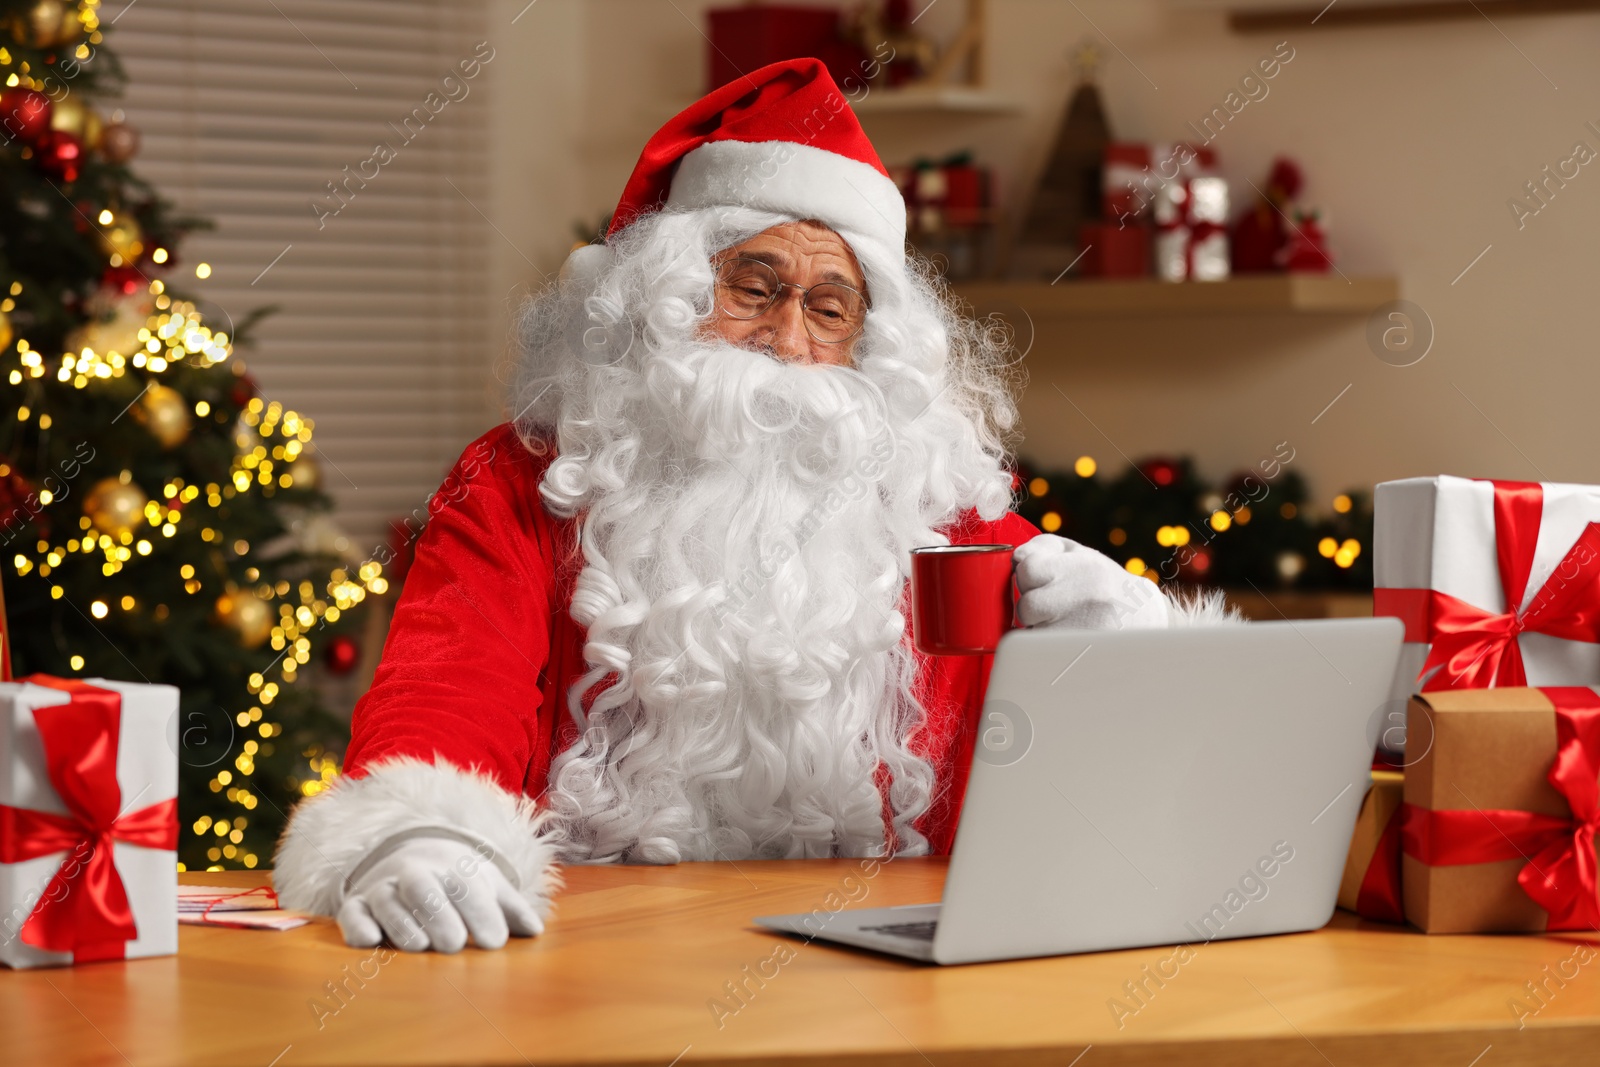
(122, 526)
(1219, 517)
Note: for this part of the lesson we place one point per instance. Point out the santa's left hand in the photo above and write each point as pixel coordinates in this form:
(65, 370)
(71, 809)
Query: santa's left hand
(1065, 584)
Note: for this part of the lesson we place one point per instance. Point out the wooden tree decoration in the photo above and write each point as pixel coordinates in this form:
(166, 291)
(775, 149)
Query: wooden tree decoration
(1068, 193)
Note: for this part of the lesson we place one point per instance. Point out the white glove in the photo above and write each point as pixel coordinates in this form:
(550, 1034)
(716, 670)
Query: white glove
(1064, 584)
(432, 892)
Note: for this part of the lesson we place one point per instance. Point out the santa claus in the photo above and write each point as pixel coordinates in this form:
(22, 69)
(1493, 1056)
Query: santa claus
(660, 614)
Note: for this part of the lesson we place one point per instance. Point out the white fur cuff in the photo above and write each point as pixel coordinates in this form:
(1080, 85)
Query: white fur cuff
(329, 834)
(1207, 607)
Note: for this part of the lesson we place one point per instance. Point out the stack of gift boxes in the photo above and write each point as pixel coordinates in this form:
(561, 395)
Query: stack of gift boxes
(949, 212)
(1487, 821)
(1164, 210)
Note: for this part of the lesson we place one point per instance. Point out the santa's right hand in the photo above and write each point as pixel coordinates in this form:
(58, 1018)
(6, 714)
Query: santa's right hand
(434, 893)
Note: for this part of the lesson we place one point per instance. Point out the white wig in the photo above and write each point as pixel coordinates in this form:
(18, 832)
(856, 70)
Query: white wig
(746, 527)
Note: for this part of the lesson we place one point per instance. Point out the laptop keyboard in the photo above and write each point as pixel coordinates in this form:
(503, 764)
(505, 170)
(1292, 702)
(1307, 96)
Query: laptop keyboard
(922, 931)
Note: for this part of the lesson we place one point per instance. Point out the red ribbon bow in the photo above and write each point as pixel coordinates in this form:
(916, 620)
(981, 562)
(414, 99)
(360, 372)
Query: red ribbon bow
(1475, 649)
(1560, 875)
(84, 909)
(1379, 896)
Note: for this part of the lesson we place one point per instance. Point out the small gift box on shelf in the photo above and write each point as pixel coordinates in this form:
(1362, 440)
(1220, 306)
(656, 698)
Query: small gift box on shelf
(949, 212)
(88, 821)
(1207, 220)
(1498, 583)
(1174, 188)
(1112, 250)
(1124, 175)
(1501, 806)
(1371, 883)
(948, 194)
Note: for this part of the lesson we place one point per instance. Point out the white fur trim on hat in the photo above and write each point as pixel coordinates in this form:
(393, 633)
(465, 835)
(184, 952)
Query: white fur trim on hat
(328, 834)
(799, 180)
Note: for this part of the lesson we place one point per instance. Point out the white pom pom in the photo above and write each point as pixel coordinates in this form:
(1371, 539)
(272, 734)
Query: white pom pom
(583, 265)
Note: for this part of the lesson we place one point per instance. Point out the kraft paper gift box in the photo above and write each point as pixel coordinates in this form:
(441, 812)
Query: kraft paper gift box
(88, 821)
(1495, 581)
(1371, 883)
(1500, 810)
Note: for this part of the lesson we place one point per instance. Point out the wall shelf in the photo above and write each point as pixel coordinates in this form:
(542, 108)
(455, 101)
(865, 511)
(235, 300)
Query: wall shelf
(1267, 294)
(1303, 16)
(936, 100)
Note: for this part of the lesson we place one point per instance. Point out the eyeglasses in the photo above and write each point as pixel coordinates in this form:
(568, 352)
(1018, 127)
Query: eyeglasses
(749, 288)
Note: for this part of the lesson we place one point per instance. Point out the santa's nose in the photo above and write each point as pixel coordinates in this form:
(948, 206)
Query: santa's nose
(789, 339)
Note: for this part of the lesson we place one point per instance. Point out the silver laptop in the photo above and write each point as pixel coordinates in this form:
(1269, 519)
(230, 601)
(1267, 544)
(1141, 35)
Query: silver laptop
(1150, 787)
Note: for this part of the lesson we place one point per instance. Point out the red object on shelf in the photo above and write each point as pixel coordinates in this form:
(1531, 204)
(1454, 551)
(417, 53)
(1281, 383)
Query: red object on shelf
(1125, 164)
(1307, 249)
(1112, 250)
(1137, 173)
(1261, 234)
(966, 195)
(949, 195)
(749, 37)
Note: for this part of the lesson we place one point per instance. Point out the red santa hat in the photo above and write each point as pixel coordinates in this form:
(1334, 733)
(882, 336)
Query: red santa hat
(782, 139)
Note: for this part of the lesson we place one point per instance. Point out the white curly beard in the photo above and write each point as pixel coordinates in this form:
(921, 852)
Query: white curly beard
(746, 527)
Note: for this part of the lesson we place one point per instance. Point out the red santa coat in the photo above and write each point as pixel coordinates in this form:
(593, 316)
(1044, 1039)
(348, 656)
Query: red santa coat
(482, 650)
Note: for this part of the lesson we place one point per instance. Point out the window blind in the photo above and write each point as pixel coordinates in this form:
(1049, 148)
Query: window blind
(341, 148)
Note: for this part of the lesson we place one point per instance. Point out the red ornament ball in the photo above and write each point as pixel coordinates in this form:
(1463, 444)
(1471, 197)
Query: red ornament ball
(123, 280)
(343, 654)
(1195, 566)
(1160, 472)
(59, 154)
(119, 142)
(242, 391)
(25, 114)
(14, 489)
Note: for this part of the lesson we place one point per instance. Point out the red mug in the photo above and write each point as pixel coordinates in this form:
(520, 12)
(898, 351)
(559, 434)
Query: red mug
(961, 598)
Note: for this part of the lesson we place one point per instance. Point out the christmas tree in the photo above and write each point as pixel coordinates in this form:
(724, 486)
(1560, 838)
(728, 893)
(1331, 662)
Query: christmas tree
(1254, 532)
(162, 521)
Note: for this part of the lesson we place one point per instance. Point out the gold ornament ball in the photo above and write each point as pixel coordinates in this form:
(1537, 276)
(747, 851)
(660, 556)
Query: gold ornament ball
(115, 324)
(165, 413)
(123, 237)
(247, 615)
(305, 471)
(71, 115)
(48, 23)
(115, 507)
(119, 142)
(71, 24)
(5, 330)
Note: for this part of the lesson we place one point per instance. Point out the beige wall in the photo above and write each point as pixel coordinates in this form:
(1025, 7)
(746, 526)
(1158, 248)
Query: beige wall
(1413, 139)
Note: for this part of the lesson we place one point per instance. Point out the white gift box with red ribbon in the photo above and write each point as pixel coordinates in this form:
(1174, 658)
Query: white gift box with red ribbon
(1498, 582)
(88, 821)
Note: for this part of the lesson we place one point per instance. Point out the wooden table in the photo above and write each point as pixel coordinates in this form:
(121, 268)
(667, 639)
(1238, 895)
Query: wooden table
(636, 957)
